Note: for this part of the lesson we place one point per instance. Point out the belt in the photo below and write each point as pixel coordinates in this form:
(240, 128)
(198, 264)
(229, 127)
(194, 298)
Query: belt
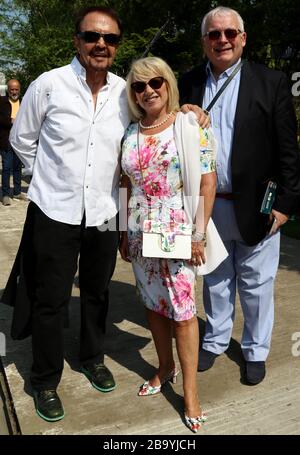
(228, 196)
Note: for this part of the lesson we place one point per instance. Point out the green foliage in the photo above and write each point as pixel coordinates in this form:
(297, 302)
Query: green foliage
(36, 35)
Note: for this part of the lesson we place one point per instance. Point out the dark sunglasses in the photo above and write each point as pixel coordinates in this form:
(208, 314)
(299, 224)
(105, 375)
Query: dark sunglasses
(230, 33)
(93, 37)
(155, 83)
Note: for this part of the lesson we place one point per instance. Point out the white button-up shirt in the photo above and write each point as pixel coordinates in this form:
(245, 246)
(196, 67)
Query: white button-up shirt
(70, 146)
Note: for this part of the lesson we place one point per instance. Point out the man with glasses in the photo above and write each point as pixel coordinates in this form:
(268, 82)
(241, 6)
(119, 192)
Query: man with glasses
(68, 134)
(254, 122)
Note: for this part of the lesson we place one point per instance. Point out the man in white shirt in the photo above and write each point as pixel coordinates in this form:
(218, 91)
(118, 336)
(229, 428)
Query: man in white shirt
(68, 133)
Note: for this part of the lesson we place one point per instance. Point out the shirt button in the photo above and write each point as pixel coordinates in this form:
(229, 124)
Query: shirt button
(92, 143)
(90, 165)
(87, 186)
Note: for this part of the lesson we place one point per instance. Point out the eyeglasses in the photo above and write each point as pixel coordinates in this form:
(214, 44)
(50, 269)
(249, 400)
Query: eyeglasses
(155, 83)
(93, 37)
(230, 33)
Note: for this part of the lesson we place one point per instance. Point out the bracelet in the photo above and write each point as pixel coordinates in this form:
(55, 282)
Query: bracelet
(199, 237)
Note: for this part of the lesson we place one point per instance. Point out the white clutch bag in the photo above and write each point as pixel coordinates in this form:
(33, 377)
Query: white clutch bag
(166, 240)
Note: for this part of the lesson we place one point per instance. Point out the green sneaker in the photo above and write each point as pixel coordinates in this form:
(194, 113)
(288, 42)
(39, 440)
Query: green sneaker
(48, 405)
(100, 377)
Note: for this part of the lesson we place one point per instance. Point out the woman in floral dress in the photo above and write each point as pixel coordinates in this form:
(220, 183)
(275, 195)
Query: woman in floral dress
(153, 177)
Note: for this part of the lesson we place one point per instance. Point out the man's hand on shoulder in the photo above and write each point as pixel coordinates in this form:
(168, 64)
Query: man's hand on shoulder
(202, 117)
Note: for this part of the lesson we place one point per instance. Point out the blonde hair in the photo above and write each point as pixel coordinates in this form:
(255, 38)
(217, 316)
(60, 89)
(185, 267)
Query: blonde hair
(221, 11)
(143, 70)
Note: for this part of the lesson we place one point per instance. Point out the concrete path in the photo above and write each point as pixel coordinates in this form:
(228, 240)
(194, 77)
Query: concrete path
(273, 407)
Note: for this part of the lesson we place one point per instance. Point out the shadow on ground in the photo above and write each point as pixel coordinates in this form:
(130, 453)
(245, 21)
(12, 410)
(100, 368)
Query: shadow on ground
(122, 345)
(127, 335)
(289, 257)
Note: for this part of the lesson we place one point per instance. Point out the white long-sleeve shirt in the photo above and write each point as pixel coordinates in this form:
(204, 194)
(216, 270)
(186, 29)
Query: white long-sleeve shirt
(72, 148)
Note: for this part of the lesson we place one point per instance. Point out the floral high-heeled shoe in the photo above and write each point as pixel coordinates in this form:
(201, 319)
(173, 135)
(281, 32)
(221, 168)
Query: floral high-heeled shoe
(194, 423)
(146, 389)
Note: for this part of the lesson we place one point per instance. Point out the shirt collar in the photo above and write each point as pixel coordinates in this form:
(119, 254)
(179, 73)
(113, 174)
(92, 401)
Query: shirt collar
(78, 68)
(81, 72)
(226, 73)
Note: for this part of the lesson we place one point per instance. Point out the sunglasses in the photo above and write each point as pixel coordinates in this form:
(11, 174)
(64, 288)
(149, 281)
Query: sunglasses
(155, 83)
(93, 37)
(230, 33)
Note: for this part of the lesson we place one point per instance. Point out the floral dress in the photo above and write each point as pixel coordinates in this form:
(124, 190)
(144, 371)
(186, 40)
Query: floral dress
(165, 286)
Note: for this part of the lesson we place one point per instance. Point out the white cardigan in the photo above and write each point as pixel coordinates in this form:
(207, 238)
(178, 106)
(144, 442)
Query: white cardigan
(187, 139)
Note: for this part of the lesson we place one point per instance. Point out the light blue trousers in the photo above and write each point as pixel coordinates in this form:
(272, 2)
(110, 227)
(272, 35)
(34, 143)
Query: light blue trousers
(251, 270)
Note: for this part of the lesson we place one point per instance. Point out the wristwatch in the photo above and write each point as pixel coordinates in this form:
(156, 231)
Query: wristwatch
(199, 237)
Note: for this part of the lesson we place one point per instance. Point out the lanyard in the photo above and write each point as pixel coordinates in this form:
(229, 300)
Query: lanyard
(219, 93)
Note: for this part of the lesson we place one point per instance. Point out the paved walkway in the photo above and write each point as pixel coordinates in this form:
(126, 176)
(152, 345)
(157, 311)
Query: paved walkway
(273, 407)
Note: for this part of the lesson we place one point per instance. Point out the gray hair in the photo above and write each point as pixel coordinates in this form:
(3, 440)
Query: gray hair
(221, 11)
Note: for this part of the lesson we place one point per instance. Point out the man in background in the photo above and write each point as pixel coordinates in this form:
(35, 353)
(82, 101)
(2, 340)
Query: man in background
(11, 164)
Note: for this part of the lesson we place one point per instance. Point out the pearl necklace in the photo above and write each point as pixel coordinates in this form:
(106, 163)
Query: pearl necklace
(156, 125)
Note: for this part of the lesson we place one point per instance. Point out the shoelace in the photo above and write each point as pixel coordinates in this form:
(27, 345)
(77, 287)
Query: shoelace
(48, 394)
(98, 366)
(100, 369)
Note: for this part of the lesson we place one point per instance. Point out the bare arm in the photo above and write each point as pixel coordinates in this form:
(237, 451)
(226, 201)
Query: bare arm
(208, 191)
(204, 211)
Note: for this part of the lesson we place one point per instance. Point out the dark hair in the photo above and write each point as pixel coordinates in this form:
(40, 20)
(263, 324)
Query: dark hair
(97, 9)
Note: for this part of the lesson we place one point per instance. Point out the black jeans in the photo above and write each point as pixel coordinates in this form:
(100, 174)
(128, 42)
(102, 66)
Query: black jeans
(56, 247)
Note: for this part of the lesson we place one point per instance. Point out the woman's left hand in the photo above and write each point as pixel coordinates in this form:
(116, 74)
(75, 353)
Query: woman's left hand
(198, 253)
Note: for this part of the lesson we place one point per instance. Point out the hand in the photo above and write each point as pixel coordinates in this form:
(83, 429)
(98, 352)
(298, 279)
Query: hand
(280, 218)
(123, 247)
(198, 255)
(203, 119)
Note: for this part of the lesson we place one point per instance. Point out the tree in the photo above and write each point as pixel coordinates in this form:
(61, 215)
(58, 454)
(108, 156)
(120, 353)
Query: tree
(36, 35)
